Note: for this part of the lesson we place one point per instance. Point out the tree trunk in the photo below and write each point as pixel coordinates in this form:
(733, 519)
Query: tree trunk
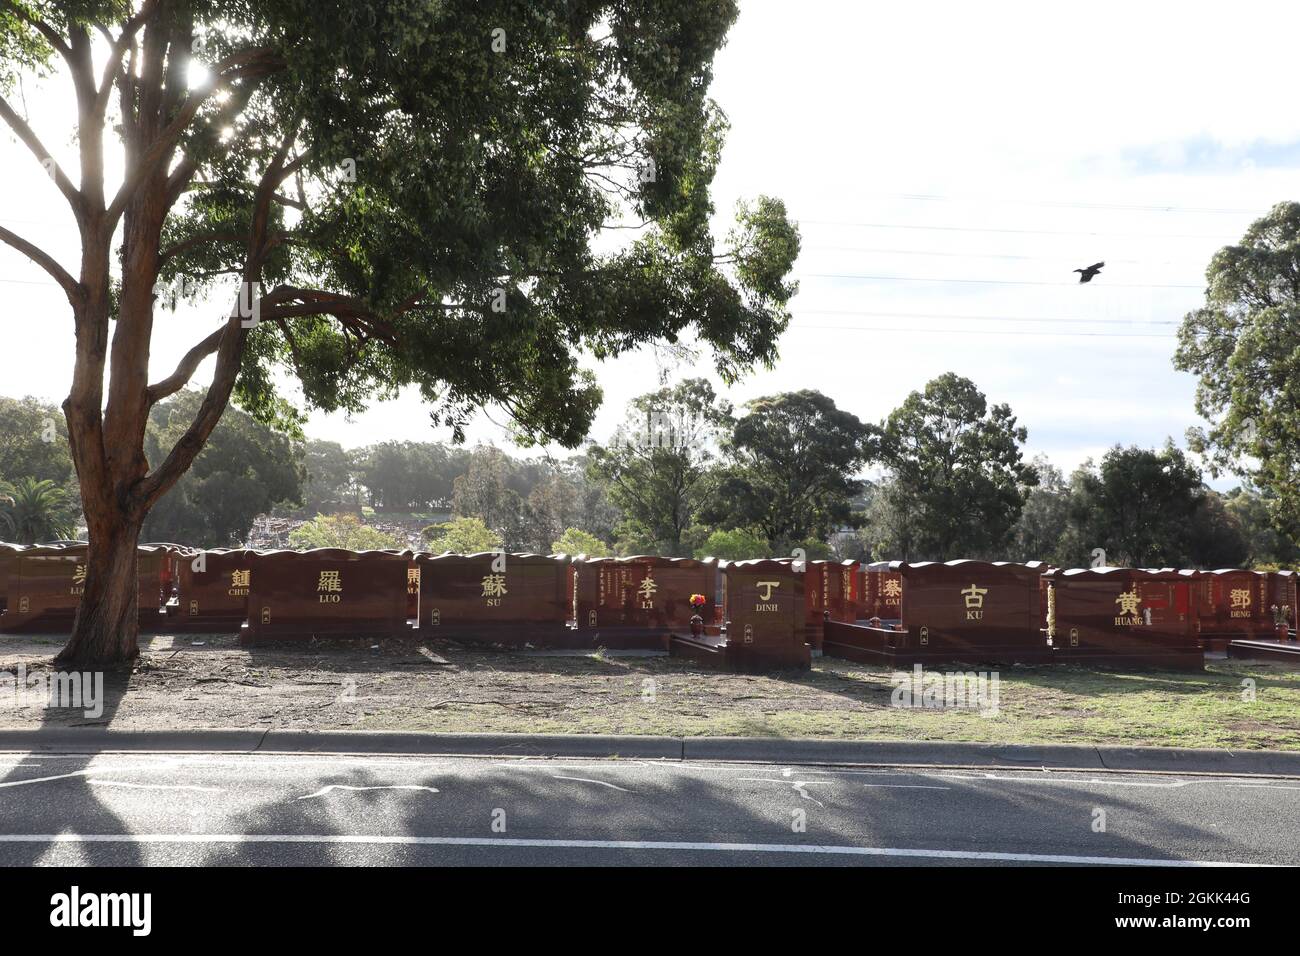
(105, 632)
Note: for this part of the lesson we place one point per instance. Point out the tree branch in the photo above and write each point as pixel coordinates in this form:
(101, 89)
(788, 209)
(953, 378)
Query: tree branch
(195, 241)
(247, 64)
(186, 368)
(60, 275)
(52, 36)
(124, 41)
(37, 148)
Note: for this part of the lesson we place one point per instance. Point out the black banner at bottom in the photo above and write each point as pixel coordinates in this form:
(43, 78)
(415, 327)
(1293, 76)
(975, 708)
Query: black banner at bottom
(335, 905)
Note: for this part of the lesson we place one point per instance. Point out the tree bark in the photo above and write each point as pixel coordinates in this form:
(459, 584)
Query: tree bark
(106, 629)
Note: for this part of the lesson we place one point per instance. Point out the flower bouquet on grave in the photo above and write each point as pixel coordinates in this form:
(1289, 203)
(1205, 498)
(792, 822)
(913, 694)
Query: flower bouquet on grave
(697, 622)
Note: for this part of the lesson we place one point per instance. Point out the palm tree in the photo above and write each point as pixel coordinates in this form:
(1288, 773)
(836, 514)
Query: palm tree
(6, 502)
(34, 511)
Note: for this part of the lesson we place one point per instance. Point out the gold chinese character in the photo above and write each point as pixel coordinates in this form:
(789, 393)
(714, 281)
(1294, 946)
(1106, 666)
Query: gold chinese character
(1128, 602)
(892, 588)
(494, 585)
(767, 589)
(412, 575)
(1240, 597)
(330, 581)
(647, 589)
(974, 596)
(242, 579)
(79, 575)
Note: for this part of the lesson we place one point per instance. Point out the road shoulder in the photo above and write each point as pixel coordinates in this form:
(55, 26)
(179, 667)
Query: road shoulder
(804, 752)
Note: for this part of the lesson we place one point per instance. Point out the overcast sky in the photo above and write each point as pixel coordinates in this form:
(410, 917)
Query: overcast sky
(949, 165)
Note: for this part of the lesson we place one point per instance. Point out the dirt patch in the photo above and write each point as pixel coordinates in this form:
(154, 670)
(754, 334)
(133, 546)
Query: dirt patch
(210, 681)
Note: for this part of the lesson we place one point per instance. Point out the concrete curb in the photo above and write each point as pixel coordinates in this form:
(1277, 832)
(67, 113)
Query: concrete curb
(895, 753)
(473, 745)
(882, 753)
(72, 740)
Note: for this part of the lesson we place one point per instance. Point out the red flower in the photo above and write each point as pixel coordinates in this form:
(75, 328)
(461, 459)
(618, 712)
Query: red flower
(697, 600)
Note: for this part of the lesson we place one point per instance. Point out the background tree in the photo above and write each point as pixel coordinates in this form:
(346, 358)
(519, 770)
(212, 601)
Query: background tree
(484, 492)
(959, 461)
(1138, 506)
(1244, 346)
(34, 443)
(246, 468)
(891, 524)
(406, 190)
(331, 477)
(462, 536)
(410, 476)
(567, 497)
(793, 462)
(1042, 532)
(734, 544)
(1216, 537)
(343, 531)
(1264, 544)
(657, 465)
(34, 510)
(577, 541)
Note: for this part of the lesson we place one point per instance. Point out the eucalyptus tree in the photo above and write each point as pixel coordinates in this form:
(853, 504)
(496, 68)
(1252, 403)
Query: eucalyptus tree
(389, 194)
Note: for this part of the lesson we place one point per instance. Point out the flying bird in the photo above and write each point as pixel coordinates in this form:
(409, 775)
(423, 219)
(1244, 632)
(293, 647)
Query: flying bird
(1085, 275)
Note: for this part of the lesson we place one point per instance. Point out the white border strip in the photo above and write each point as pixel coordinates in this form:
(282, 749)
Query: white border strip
(815, 849)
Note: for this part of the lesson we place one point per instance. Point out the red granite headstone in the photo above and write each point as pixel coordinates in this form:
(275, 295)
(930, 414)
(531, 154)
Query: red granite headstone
(884, 591)
(8, 569)
(495, 596)
(766, 615)
(974, 610)
(46, 588)
(1282, 595)
(643, 598)
(830, 594)
(155, 571)
(1234, 604)
(958, 611)
(327, 591)
(213, 588)
(1126, 616)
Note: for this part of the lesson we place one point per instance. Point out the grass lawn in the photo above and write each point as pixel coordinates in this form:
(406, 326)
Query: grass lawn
(210, 681)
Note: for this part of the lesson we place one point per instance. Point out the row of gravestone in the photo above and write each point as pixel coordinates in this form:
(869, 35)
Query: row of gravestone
(971, 610)
(503, 598)
(739, 614)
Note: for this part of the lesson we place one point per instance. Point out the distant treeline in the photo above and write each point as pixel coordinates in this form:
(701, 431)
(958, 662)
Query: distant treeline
(687, 474)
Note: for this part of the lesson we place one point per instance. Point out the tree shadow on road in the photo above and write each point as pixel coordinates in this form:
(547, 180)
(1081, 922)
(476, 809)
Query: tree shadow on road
(38, 781)
(696, 803)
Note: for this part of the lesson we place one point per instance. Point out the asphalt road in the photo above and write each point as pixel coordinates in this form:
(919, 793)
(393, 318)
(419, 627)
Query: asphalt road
(268, 809)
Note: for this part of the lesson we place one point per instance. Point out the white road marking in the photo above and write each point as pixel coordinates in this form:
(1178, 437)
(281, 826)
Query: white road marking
(548, 765)
(905, 786)
(62, 776)
(799, 848)
(797, 785)
(283, 762)
(585, 780)
(1158, 785)
(343, 786)
(799, 789)
(154, 786)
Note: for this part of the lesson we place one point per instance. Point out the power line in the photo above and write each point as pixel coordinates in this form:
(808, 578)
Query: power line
(1027, 232)
(1012, 332)
(979, 255)
(1198, 261)
(1121, 207)
(876, 278)
(986, 318)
